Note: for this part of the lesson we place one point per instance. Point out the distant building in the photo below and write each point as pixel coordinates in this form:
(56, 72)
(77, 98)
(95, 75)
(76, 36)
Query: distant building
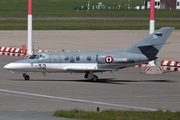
(157, 4)
(163, 4)
(178, 4)
(169, 4)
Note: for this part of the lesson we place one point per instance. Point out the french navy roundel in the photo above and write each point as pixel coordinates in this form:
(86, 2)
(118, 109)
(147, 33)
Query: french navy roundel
(108, 59)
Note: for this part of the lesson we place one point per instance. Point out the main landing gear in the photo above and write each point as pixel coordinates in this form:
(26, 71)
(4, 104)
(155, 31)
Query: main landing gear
(95, 78)
(91, 76)
(26, 77)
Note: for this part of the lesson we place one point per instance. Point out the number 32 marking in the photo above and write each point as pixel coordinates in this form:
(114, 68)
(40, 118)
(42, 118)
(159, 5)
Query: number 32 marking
(41, 66)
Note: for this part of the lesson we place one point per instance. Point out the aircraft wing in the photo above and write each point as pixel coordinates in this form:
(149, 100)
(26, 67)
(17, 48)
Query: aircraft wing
(80, 70)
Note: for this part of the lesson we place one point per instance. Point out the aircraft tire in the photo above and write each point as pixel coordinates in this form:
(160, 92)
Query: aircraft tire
(26, 77)
(95, 78)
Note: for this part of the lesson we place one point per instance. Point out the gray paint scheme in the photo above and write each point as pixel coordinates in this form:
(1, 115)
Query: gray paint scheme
(141, 52)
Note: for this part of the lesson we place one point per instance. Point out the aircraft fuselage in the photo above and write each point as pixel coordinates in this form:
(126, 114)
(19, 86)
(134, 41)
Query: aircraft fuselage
(76, 61)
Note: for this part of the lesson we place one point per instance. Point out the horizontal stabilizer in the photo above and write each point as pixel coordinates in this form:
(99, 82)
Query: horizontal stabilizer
(153, 44)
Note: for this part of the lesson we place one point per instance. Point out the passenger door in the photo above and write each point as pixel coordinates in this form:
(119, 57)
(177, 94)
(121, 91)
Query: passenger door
(54, 63)
(54, 58)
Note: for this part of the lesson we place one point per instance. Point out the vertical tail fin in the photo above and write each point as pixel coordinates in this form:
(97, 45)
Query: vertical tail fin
(151, 45)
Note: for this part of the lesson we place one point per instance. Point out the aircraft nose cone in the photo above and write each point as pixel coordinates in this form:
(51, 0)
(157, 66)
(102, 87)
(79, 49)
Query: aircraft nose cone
(8, 66)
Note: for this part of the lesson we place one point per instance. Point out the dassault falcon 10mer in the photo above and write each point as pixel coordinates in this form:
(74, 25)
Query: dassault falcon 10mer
(90, 62)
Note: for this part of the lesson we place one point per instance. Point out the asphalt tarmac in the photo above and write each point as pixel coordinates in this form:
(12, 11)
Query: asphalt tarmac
(125, 89)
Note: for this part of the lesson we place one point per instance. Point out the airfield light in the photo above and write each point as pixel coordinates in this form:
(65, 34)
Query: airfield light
(97, 109)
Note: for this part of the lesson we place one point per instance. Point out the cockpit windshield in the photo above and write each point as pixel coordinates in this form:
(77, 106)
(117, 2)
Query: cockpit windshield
(32, 57)
(37, 57)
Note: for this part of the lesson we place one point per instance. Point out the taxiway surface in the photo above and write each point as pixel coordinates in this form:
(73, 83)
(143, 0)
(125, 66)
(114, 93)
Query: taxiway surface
(122, 90)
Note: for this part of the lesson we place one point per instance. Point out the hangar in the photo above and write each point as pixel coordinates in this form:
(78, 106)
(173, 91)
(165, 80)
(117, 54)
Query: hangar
(170, 4)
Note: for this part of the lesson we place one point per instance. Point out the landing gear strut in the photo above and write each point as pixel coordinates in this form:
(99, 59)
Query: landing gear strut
(91, 76)
(26, 77)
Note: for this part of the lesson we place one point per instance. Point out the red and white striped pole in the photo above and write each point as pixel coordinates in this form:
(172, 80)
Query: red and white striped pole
(152, 25)
(152, 29)
(152, 21)
(29, 41)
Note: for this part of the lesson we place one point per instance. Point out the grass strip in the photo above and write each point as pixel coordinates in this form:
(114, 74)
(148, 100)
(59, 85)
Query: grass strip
(118, 115)
(65, 8)
(86, 24)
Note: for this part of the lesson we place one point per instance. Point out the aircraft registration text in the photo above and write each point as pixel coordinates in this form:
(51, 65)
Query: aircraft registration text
(120, 59)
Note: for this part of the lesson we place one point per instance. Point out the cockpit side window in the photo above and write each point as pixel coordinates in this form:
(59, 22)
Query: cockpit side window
(37, 57)
(32, 57)
(42, 56)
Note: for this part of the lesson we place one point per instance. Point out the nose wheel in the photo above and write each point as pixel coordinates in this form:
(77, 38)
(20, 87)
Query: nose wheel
(26, 77)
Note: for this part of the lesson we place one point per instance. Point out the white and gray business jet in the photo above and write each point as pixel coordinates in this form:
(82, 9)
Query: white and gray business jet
(89, 62)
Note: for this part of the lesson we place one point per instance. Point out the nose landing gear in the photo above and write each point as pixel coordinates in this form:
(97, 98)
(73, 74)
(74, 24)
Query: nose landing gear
(26, 77)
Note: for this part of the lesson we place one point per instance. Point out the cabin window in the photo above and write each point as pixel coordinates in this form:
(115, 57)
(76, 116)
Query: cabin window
(77, 58)
(89, 58)
(32, 57)
(155, 3)
(66, 58)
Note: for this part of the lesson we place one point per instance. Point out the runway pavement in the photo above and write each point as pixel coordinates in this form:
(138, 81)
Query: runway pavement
(126, 89)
